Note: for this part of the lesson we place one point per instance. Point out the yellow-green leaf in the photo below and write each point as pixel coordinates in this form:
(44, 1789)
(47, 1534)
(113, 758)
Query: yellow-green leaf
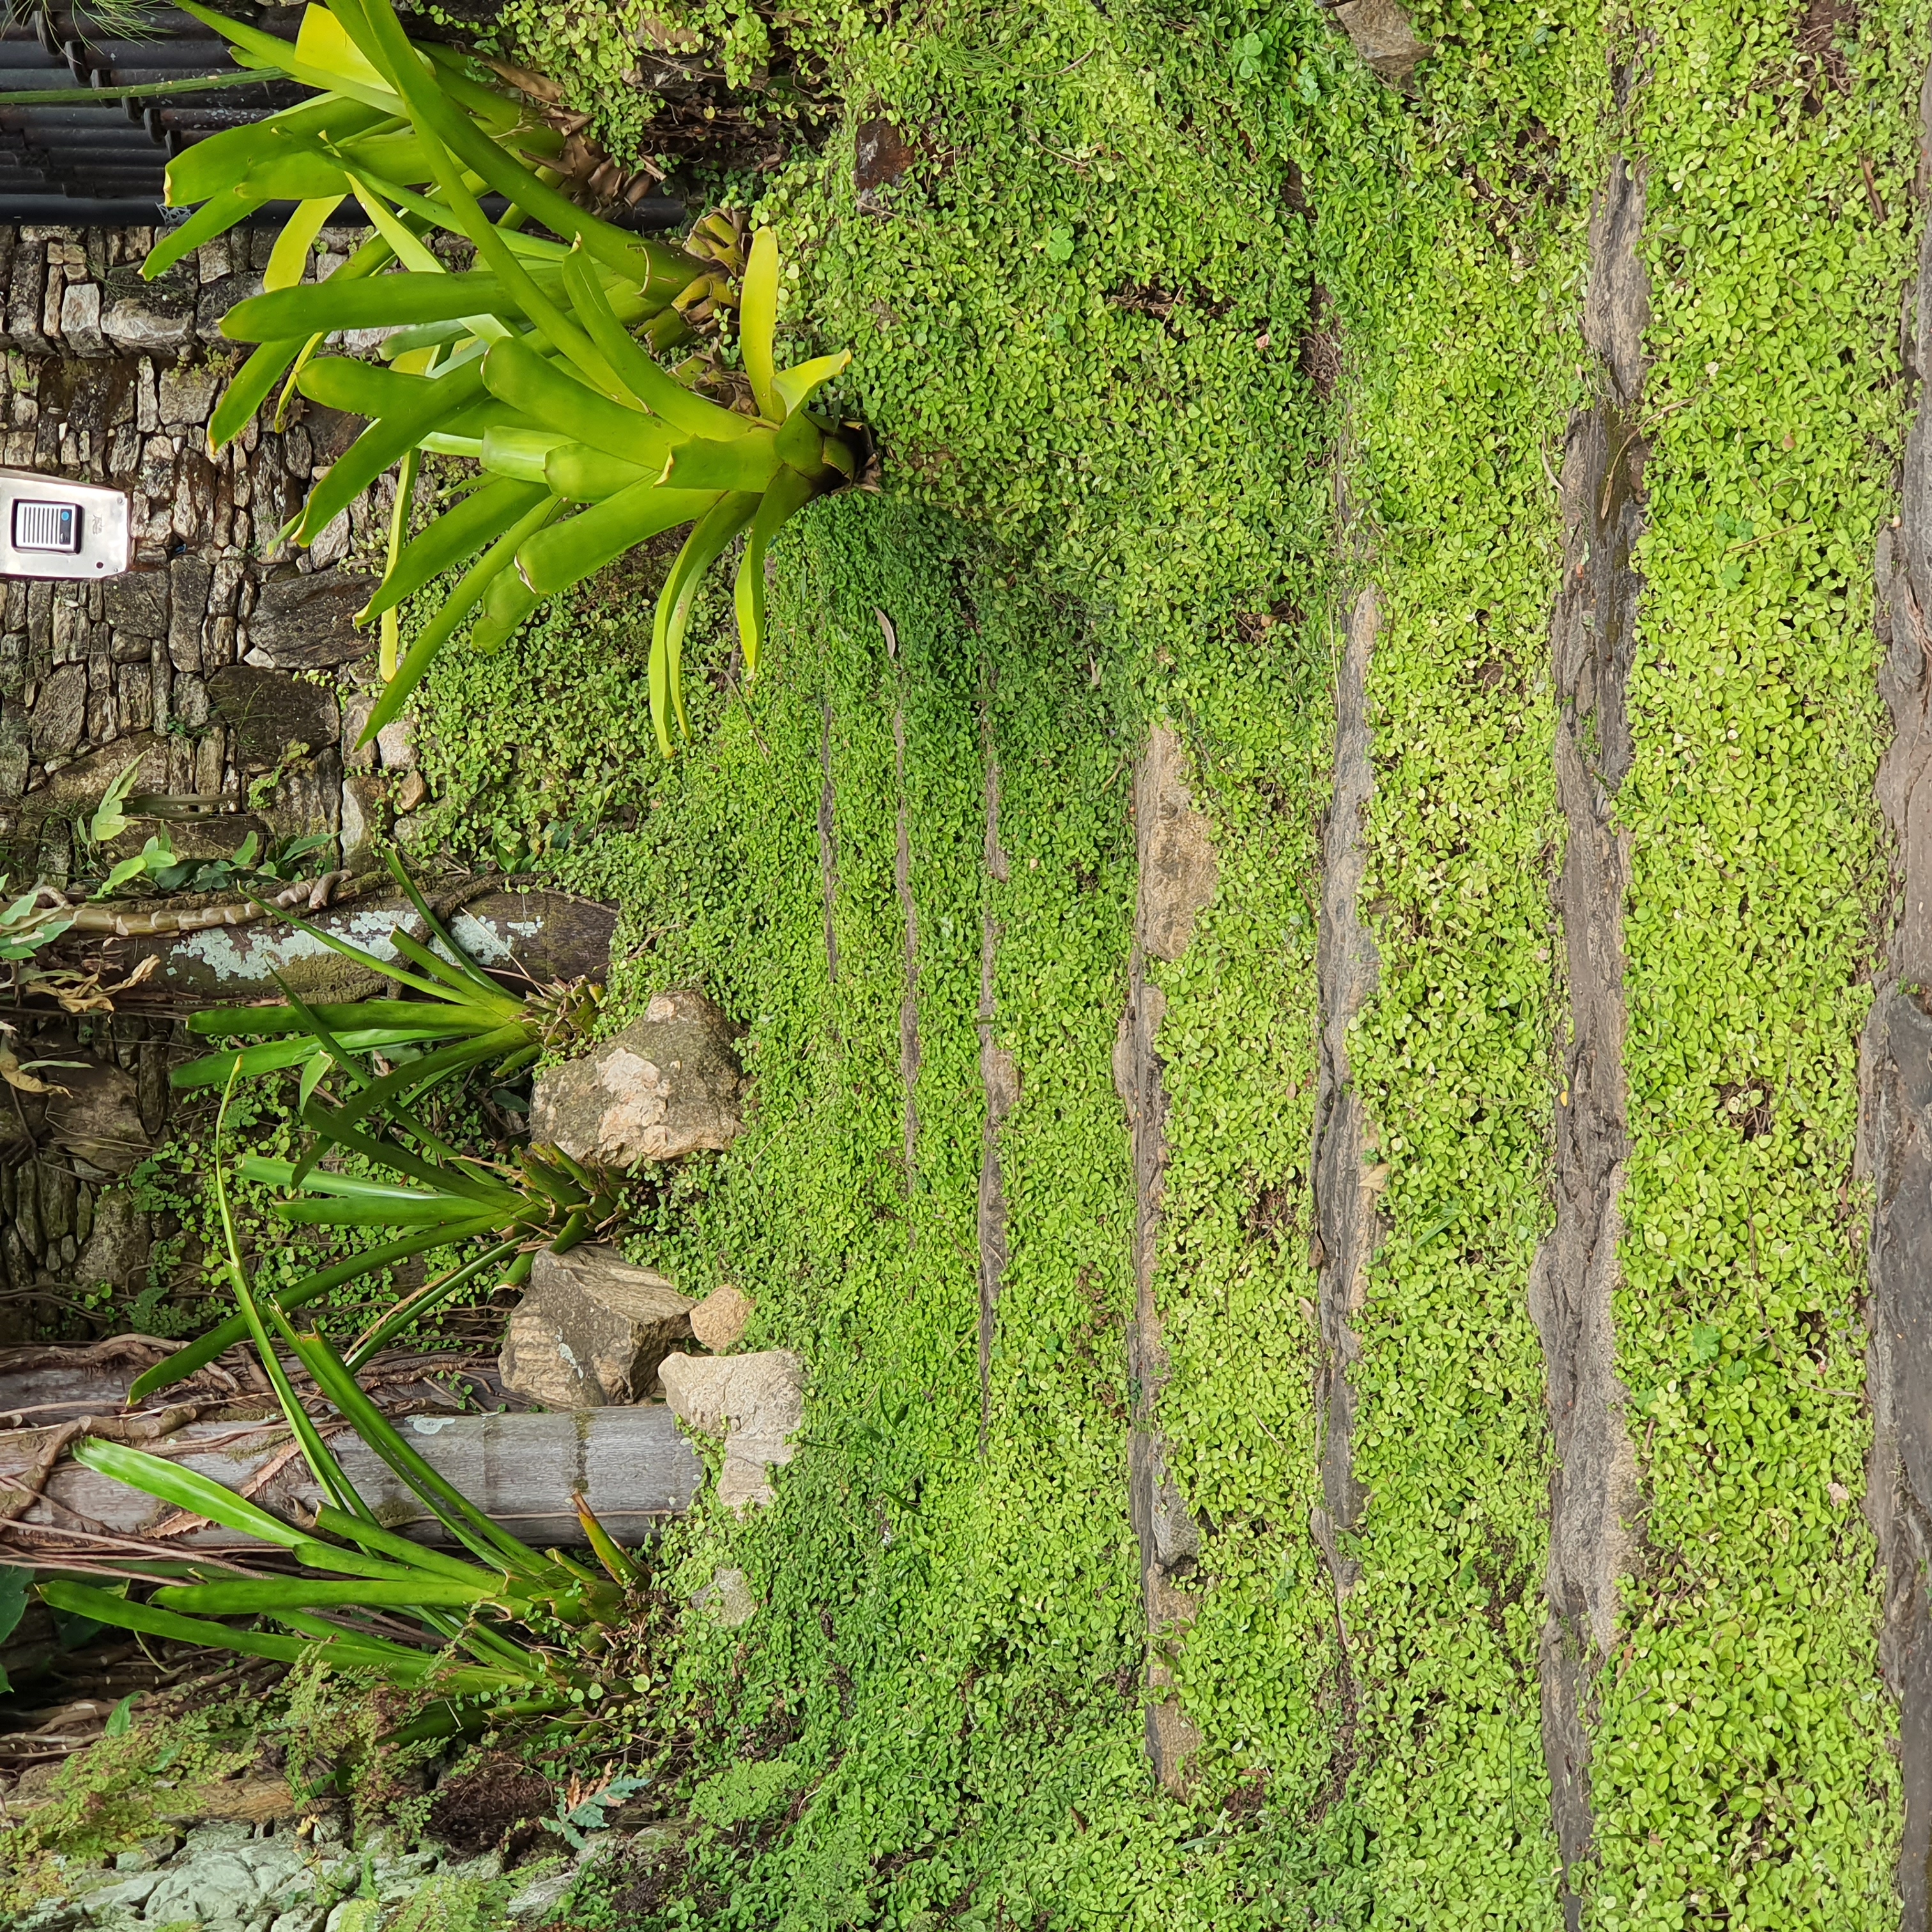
(758, 323)
(796, 386)
(289, 259)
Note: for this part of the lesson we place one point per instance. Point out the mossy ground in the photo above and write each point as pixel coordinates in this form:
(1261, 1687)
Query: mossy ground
(1092, 327)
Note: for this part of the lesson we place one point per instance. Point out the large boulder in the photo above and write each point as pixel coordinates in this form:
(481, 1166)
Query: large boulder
(591, 1330)
(754, 1403)
(666, 1087)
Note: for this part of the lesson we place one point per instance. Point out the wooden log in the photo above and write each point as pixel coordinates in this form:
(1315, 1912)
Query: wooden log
(59, 1384)
(631, 1464)
(548, 935)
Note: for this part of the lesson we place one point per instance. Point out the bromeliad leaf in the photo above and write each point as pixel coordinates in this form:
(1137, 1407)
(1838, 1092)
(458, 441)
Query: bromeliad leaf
(568, 405)
(463, 1019)
(758, 323)
(474, 1616)
(542, 1201)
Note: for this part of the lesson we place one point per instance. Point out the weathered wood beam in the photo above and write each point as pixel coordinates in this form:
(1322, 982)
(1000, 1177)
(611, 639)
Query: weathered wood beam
(549, 935)
(631, 1464)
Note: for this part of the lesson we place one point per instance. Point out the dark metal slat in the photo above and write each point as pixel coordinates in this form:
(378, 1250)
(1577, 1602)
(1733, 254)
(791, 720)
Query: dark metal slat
(113, 133)
(29, 209)
(107, 115)
(174, 54)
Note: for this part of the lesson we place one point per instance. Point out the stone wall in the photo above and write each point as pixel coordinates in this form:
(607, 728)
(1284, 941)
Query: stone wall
(225, 658)
(72, 1219)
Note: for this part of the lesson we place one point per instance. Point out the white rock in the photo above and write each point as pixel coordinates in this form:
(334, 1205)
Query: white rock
(125, 1900)
(80, 318)
(150, 1851)
(397, 1878)
(755, 1403)
(396, 741)
(218, 1885)
(135, 330)
(220, 1834)
(728, 1599)
(667, 1086)
(720, 1320)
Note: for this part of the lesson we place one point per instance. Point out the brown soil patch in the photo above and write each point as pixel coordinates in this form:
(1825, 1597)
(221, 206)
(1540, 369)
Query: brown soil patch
(1319, 356)
(1271, 1215)
(490, 1806)
(881, 154)
(1746, 1106)
(1822, 63)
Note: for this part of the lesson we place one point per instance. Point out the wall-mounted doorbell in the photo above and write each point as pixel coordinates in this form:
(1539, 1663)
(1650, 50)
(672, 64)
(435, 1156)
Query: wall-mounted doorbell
(50, 527)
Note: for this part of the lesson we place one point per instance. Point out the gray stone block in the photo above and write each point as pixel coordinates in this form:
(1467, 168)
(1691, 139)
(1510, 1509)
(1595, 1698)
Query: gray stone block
(98, 1121)
(268, 711)
(592, 1331)
(59, 712)
(188, 580)
(25, 289)
(80, 319)
(186, 395)
(306, 621)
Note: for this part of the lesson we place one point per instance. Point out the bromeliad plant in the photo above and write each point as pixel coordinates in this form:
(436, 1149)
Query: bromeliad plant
(544, 1200)
(527, 363)
(355, 141)
(497, 1622)
(463, 1020)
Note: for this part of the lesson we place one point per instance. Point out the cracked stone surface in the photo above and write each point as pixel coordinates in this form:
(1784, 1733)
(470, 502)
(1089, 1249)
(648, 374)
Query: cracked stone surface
(667, 1086)
(754, 1403)
(591, 1330)
(229, 1876)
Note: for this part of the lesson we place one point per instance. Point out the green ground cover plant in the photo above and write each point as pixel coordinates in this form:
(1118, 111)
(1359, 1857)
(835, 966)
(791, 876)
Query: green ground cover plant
(1173, 333)
(930, 1578)
(1464, 393)
(1747, 1771)
(1154, 526)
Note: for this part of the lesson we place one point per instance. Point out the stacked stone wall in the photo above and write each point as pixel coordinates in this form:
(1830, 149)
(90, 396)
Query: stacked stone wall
(226, 659)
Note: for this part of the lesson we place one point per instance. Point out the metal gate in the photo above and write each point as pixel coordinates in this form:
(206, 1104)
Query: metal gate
(80, 164)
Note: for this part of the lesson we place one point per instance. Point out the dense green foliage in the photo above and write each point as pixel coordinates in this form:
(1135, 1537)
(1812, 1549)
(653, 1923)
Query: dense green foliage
(1092, 503)
(1747, 1769)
